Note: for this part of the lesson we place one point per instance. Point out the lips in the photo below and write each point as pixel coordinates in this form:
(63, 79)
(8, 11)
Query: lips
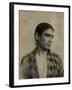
(49, 44)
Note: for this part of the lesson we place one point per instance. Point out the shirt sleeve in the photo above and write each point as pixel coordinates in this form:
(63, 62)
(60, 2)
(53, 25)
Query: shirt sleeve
(24, 67)
(60, 68)
(21, 70)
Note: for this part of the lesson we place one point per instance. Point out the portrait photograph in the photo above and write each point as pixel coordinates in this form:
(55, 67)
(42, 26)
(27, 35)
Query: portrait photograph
(32, 24)
(41, 44)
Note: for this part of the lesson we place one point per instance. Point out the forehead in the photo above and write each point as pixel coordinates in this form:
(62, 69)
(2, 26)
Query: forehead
(48, 31)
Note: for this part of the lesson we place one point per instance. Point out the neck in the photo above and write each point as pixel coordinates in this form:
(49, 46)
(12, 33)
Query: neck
(42, 51)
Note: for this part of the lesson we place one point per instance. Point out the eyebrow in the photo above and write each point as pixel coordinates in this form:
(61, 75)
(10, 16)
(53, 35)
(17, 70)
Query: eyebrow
(48, 35)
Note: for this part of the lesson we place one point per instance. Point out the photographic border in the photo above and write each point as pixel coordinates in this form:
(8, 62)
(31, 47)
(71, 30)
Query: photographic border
(11, 42)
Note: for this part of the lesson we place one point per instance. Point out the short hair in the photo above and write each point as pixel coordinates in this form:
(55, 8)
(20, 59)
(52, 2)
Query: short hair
(40, 28)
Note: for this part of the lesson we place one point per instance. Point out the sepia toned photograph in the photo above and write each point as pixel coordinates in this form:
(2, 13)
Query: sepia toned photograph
(39, 45)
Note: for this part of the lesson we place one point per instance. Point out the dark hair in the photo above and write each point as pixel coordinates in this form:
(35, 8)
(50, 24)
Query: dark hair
(40, 28)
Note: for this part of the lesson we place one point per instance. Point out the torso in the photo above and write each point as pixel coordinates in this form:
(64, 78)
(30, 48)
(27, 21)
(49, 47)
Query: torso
(41, 61)
(35, 66)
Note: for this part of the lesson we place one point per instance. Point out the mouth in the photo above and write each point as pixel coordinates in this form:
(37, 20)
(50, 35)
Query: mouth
(49, 45)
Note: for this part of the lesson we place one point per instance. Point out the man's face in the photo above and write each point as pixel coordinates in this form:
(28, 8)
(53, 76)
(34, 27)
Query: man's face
(45, 40)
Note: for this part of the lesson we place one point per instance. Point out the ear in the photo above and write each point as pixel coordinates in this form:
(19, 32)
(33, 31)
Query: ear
(36, 36)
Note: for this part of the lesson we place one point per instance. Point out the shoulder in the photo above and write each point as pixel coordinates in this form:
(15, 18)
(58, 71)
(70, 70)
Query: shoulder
(27, 58)
(56, 57)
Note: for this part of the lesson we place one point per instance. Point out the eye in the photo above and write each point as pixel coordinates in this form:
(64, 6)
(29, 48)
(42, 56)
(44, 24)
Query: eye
(47, 35)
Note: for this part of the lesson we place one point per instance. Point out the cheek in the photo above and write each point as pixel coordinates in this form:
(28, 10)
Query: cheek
(44, 40)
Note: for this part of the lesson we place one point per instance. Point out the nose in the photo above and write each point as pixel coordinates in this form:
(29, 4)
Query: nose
(50, 39)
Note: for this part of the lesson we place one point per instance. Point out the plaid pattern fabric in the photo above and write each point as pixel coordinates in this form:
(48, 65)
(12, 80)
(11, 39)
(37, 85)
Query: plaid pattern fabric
(28, 66)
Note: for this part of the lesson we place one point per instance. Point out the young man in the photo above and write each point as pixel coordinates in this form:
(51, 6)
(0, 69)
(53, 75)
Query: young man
(41, 62)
